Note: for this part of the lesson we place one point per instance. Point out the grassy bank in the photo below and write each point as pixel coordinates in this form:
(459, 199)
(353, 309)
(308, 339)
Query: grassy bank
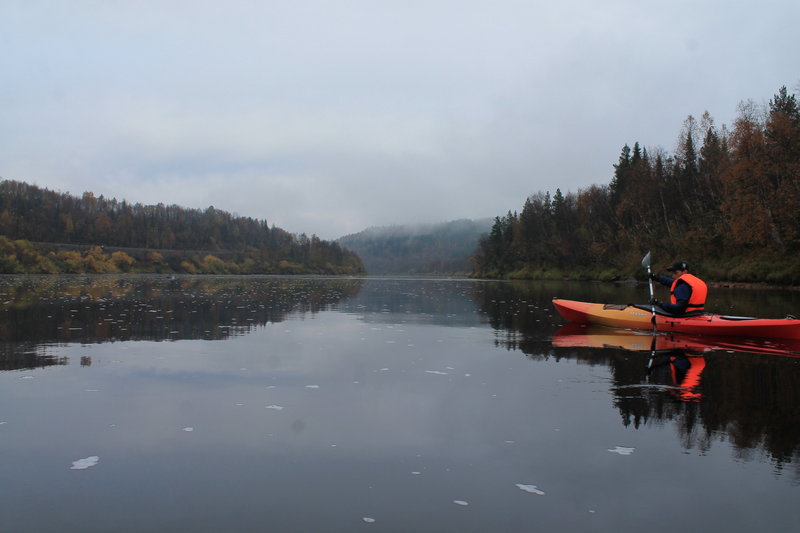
(756, 270)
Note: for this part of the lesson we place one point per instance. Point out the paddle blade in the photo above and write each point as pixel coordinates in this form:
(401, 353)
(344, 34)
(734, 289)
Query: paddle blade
(646, 260)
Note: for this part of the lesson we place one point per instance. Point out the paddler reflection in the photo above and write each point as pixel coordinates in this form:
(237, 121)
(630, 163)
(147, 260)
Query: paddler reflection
(685, 372)
(675, 363)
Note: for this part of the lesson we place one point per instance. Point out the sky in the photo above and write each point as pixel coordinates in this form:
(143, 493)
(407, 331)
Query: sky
(328, 117)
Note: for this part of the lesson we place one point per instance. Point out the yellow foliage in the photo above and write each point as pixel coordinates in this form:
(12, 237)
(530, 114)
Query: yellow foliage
(213, 265)
(188, 267)
(122, 260)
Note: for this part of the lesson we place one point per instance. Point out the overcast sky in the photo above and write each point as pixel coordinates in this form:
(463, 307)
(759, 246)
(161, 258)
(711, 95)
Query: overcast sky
(327, 117)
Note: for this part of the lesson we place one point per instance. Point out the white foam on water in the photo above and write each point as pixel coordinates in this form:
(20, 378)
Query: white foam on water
(530, 488)
(188, 429)
(275, 407)
(312, 386)
(83, 464)
(621, 450)
(438, 373)
(461, 503)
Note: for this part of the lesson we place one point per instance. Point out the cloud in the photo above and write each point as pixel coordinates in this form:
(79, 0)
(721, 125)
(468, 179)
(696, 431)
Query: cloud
(328, 117)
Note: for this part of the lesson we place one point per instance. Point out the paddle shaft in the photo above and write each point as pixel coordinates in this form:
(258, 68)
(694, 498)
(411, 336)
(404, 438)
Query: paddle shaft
(646, 263)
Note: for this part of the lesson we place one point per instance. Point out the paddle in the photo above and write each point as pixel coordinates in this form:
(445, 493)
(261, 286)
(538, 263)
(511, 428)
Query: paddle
(646, 264)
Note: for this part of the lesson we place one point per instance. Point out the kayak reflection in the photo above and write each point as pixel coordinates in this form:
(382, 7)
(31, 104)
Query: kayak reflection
(574, 335)
(675, 362)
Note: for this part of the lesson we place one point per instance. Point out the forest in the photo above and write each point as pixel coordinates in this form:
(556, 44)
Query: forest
(727, 201)
(43, 231)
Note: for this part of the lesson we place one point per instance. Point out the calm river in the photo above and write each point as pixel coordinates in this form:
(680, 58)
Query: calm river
(255, 404)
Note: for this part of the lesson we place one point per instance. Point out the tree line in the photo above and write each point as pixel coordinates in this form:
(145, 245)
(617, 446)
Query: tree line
(727, 201)
(46, 232)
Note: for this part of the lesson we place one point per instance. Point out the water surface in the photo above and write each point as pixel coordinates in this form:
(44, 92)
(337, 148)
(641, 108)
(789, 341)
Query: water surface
(304, 404)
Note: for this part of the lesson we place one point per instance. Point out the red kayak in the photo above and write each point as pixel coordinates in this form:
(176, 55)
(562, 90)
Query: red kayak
(696, 323)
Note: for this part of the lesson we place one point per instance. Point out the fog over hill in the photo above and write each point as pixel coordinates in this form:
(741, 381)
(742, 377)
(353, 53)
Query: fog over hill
(443, 248)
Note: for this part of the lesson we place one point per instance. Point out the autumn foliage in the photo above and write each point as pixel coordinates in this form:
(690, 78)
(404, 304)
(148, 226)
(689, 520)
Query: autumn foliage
(43, 231)
(727, 201)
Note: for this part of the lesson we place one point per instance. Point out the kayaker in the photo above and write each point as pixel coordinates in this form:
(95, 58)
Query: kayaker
(687, 292)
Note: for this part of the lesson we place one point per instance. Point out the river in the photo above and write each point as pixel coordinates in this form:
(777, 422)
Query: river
(244, 404)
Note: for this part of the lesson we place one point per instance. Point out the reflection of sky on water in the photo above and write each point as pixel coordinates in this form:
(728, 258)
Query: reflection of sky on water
(393, 408)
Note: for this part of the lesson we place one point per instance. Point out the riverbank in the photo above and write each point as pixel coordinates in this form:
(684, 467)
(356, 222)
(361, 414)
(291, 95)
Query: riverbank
(782, 275)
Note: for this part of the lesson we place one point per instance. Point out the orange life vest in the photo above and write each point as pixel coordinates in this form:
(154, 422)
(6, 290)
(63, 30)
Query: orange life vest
(697, 300)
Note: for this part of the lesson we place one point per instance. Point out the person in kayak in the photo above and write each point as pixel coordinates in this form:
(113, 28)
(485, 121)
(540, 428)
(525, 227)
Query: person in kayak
(687, 292)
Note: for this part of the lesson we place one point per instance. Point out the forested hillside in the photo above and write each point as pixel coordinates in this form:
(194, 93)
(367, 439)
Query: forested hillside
(443, 248)
(43, 231)
(727, 201)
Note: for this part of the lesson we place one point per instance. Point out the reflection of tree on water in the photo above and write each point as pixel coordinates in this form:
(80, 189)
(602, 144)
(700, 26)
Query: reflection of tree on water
(36, 311)
(29, 355)
(750, 400)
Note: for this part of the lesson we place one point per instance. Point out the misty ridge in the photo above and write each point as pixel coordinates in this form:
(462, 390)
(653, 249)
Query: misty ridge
(48, 232)
(444, 248)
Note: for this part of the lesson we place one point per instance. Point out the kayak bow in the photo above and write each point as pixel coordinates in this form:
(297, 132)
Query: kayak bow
(699, 323)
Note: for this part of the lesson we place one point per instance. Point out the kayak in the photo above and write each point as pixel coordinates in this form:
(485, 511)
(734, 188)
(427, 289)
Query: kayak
(574, 335)
(694, 323)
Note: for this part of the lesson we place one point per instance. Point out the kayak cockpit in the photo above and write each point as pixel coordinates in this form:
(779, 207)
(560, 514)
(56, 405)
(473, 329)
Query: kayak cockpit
(661, 312)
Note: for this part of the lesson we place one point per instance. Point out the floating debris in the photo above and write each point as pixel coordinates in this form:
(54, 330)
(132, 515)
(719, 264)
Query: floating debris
(188, 429)
(368, 520)
(275, 407)
(83, 464)
(461, 503)
(312, 386)
(530, 488)
(437, 372)
(621, 450)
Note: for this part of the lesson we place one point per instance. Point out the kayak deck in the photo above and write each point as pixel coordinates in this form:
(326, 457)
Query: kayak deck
(641, 317)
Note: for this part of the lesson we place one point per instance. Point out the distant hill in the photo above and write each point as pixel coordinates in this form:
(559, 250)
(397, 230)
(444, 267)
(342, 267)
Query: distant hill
(443, 248)
(43, 231)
